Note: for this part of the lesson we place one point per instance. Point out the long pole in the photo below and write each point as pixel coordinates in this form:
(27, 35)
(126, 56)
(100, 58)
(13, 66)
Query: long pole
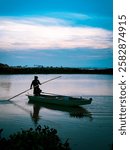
(35, 86)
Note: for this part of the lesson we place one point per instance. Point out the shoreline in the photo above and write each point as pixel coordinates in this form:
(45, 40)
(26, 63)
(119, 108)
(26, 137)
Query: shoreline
(5, 69)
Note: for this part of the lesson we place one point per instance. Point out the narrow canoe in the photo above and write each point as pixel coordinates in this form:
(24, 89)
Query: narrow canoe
(60, 100)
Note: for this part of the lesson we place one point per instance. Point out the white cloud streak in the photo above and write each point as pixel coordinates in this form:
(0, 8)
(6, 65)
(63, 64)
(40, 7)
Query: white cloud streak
(69, 15)
(50, 33)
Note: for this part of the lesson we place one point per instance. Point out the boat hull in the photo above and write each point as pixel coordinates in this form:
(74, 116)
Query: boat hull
(60, 100)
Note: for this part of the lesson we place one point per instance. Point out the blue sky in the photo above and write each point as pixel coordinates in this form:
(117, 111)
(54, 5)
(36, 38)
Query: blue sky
(70, 33)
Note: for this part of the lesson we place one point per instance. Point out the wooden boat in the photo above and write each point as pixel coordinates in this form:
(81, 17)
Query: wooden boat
(60, 100)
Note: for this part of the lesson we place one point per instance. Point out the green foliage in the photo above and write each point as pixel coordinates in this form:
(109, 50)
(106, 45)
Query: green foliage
(34, 139)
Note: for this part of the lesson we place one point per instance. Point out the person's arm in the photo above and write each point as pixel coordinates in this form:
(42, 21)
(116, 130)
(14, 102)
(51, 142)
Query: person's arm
(39, 82)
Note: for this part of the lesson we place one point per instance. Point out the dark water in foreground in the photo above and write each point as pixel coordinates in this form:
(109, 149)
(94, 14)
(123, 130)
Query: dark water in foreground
(88, 127)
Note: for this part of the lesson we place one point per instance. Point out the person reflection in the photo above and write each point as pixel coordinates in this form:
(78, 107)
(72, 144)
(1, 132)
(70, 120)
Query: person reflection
(35, 115)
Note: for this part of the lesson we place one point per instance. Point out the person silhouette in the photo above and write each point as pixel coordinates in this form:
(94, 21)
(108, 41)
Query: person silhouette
(35, 84)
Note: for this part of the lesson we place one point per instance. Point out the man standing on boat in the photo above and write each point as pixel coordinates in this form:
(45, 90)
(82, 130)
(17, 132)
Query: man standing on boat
(35, 83)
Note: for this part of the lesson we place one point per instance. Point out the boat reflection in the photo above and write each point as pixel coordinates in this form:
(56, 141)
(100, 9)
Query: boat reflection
(77, 112)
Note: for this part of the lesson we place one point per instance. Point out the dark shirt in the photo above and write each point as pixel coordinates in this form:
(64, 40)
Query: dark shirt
(35, 83)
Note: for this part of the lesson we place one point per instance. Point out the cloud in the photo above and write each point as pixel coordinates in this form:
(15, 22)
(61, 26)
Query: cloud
(50, 33)
(69, 15)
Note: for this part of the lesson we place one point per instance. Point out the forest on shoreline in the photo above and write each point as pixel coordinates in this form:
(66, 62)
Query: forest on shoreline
(6, 69)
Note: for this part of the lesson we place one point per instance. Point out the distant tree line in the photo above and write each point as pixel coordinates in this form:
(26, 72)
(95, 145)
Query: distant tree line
(5, 69)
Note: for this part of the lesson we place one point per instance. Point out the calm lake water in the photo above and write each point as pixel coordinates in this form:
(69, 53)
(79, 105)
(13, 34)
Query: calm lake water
(88, 127)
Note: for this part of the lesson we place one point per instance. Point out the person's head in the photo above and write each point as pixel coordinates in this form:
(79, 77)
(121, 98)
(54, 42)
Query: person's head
(35, 77)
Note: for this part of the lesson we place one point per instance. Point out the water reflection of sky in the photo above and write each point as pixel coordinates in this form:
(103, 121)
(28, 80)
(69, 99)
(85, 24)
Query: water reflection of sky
(82, 85)
(77, 85)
